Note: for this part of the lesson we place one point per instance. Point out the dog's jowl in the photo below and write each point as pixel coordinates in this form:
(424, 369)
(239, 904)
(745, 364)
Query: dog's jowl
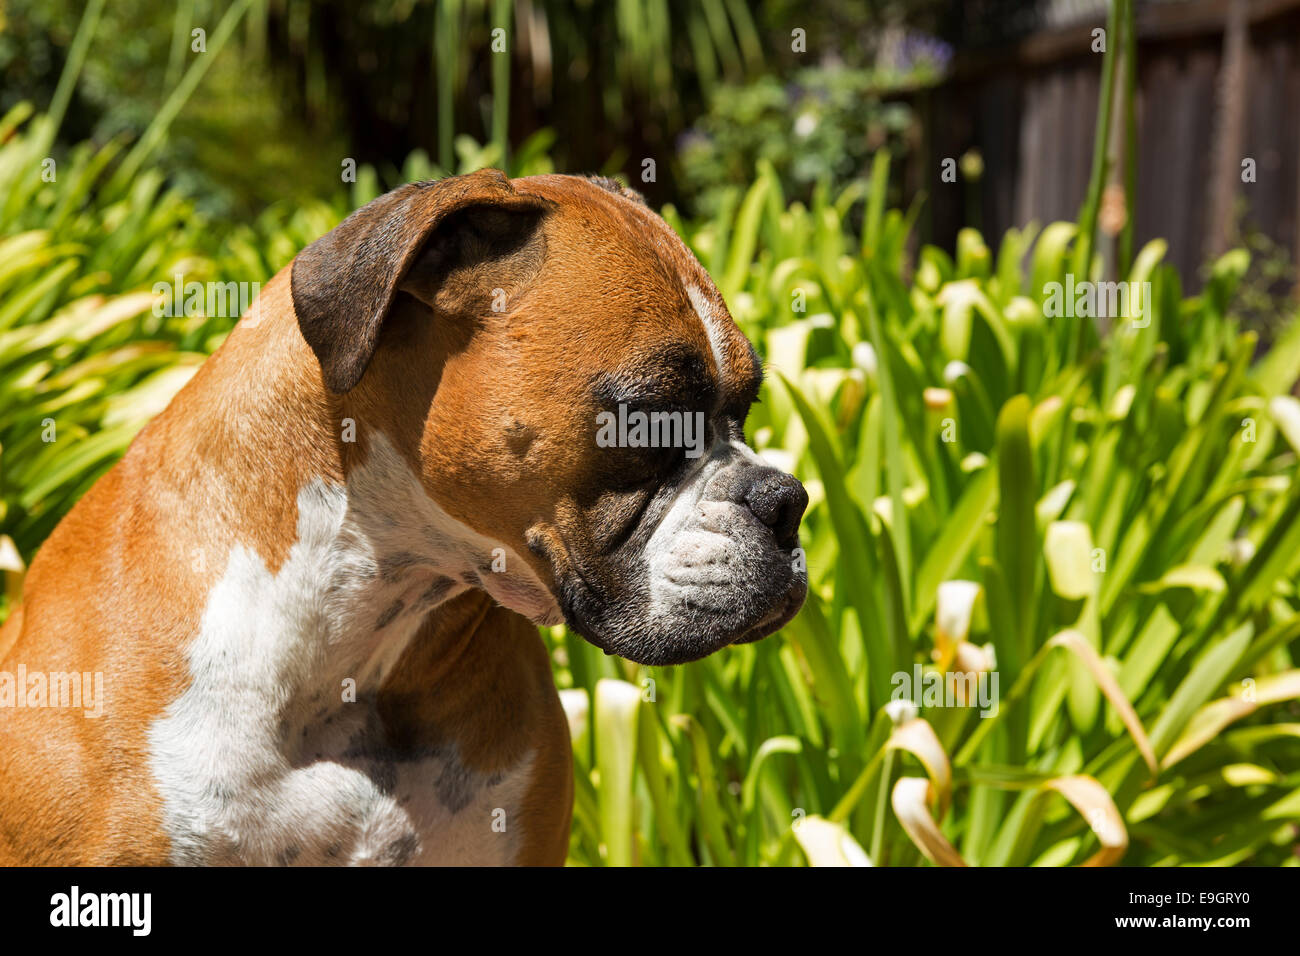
(311, 585)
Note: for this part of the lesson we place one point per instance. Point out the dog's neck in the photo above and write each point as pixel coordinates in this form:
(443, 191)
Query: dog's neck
(349, 554)
(393, 556)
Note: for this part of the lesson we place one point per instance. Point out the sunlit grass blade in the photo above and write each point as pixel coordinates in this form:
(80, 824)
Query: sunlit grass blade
(617, 706)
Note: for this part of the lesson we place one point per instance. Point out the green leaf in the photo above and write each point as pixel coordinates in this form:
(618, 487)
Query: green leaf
(617, 706)
(1205, 677)
(1017, 539)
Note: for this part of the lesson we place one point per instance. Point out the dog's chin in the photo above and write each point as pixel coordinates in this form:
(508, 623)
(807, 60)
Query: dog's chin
(685, 639)
(782, 614)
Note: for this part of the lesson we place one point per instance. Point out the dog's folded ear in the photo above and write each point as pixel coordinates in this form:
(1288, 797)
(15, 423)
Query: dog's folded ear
(435, 240)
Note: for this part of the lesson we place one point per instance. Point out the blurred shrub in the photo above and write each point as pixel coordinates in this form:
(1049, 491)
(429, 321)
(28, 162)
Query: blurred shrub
(823, 126)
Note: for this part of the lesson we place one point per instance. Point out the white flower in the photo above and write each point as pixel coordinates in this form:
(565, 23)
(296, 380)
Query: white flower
(937, 399)
(864, 357)
(900, 711)
(953, 606)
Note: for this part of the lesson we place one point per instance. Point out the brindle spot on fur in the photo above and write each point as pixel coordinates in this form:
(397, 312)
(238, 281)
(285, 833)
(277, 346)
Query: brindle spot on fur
(219, 793)
(400, 851)
(387, 617)
(384, 775)
(289, 854)
(392, 566)
(455, 785)
(435, 592)
(520, 438)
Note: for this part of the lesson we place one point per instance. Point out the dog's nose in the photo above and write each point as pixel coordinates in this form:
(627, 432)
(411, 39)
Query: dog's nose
(778, 500)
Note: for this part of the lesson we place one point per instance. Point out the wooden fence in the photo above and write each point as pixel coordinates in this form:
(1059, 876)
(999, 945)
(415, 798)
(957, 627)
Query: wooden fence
(1218, 82)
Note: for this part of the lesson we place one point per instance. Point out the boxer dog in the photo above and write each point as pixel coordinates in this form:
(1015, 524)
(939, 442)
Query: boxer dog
(311, 584)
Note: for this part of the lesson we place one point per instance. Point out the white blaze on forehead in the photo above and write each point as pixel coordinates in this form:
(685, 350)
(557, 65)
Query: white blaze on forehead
(714, 328)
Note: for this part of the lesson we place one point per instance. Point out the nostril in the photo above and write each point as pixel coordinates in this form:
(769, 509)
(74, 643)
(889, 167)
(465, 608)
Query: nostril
(778, 500)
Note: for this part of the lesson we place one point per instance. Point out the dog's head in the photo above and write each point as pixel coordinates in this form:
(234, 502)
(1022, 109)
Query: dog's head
(575, 389)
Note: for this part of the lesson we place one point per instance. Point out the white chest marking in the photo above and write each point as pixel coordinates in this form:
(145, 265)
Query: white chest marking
(262, 761)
